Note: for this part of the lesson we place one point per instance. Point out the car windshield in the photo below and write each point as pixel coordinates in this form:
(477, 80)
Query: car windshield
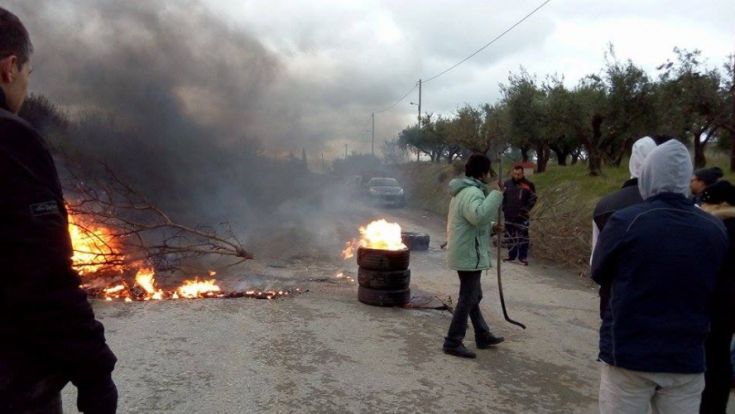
(384, 182)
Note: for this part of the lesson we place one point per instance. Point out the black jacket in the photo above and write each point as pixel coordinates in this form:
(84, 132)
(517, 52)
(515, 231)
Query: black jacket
(724, 300)
(518, 199)
(618, 200)
(718, 376)
(47, 326)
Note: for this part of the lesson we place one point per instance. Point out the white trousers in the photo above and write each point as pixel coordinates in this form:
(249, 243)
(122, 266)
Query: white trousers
(623, 391)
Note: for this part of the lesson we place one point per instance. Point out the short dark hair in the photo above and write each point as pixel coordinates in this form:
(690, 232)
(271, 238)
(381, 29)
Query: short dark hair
(709, 175)
(14, 38)
(477, 166)
(661, 138)
(518, 167)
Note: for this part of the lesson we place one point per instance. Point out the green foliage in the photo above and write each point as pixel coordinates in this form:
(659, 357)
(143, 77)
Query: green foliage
(525, 104)
(630, 106)
(693, 101)
(597, 120)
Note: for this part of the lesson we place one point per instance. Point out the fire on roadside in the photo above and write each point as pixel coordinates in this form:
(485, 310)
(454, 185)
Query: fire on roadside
(95, 247)
(379, 234)
(98, 261)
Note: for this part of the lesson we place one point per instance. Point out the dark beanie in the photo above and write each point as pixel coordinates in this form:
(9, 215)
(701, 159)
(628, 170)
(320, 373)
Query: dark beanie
(709, 175)
(719, 192)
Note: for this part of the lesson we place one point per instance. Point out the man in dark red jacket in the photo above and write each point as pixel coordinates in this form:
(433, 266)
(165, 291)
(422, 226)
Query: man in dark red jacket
(48, 333)
(519, 198)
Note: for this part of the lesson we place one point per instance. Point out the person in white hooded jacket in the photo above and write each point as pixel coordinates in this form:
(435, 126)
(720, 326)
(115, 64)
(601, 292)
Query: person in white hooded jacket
(661, 259)
(627, 196)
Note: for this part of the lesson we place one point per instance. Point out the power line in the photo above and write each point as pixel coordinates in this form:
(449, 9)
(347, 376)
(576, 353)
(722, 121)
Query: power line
(399, 100)
(518, 23)
(490, 42)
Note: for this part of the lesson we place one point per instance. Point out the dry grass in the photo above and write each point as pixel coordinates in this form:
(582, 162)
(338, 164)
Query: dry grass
(561, 222)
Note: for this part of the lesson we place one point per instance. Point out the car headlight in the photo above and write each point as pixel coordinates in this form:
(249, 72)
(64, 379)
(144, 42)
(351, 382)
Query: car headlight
(373, 191)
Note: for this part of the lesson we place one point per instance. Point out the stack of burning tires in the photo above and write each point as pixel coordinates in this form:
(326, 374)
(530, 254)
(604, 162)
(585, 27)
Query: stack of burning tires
(383, 276)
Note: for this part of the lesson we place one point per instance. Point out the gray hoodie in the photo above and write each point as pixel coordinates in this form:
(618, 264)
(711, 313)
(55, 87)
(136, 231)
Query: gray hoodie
(667, 169)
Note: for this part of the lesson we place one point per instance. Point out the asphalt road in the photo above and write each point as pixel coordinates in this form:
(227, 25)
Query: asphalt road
(323, 351)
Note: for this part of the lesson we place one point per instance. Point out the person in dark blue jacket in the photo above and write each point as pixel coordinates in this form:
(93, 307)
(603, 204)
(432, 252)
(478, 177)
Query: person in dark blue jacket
(661, 259)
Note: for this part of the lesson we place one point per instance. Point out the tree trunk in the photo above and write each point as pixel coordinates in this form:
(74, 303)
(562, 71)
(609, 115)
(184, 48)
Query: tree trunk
(561, 156)
(524, 154)
(542, 157)
(595, 156)
(595, 164)
(699, 159)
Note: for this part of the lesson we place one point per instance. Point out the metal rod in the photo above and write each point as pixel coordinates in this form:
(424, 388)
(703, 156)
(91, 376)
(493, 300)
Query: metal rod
(500, 252)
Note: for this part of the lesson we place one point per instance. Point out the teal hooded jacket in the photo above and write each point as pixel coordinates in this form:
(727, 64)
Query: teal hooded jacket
(472, 211)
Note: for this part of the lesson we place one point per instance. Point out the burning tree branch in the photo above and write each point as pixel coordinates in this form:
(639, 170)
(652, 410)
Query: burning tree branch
(124, 226)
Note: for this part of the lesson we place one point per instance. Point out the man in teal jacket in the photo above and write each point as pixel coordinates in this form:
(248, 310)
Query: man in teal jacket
(472, 211)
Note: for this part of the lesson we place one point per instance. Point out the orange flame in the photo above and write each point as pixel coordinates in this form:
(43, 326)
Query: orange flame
(145, 279)
(379, 234)
(97, 253)
(192, 289)
(93, 245)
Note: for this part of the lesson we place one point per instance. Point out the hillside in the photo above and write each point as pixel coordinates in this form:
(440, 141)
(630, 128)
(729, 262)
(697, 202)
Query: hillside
(562, 219)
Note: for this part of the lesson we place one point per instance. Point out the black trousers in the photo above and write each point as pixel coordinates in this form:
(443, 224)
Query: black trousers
(468, 305)
(517, 238)
(718, 374)
(42, 396)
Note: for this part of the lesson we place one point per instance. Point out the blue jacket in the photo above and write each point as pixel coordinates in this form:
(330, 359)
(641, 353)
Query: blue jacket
(661, 258)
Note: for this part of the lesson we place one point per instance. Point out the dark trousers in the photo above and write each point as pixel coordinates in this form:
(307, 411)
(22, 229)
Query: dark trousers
(718, 374)
(39, 397)
(468, 305)
(517, 238)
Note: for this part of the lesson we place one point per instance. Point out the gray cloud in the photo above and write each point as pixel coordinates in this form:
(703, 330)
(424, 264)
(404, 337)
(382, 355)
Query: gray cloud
(308, 74)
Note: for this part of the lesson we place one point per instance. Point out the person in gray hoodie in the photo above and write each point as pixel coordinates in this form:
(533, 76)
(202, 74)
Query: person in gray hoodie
(661, 259)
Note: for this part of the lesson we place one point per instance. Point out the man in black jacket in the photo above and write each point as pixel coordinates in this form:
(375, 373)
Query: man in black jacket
(48, 333)
(519, 198)
(620, 199)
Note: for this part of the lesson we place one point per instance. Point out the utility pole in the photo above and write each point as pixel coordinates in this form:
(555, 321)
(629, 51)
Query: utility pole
(372, 142)
(346, 150)
(323, 168)
(419, 107)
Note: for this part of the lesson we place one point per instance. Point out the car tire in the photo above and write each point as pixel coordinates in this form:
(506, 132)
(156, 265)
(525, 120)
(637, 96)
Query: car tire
(386, 298)
(385, 280)
(384, 260)
(415, 241)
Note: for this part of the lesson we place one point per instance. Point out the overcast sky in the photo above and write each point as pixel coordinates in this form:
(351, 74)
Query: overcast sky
(337, 61)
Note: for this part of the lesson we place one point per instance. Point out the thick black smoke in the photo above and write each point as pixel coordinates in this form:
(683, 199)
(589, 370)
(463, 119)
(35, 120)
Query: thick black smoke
(166, 94)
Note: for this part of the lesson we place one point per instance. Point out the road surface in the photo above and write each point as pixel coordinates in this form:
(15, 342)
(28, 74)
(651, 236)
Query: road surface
(324, 352)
